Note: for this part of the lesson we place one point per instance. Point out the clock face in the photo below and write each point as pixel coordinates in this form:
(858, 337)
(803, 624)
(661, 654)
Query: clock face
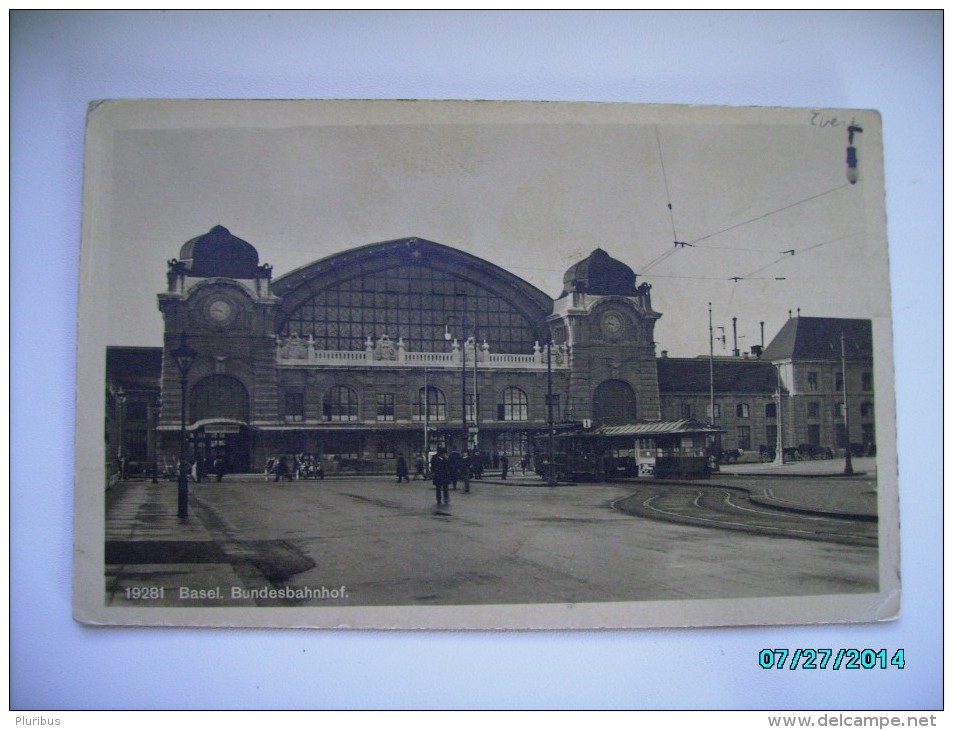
(612, 324)
(219, 311)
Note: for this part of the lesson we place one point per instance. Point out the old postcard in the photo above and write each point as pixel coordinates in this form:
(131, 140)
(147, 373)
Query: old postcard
(483, 365)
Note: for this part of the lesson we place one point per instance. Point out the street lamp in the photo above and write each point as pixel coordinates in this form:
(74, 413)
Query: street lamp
(121, 400)
(184, 359)
(852, 175)
(463, 365)
(549, 413)
(156, 406)
(848, 464)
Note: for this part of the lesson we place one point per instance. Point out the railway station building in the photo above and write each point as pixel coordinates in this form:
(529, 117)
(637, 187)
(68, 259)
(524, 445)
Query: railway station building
(406, 345)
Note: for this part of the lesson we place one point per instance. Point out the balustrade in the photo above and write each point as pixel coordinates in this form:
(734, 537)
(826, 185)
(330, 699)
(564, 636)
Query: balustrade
(296, 351)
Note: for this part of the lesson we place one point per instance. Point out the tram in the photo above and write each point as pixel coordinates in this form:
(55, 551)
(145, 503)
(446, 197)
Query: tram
(656, 449)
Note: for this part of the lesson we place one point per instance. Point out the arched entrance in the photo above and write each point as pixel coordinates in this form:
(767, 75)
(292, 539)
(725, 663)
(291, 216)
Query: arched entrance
(218, 405)
(613, 403)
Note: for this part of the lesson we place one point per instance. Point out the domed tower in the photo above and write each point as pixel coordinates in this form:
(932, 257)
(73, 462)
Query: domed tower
(220, 298)
(609, 324)
(219, 253)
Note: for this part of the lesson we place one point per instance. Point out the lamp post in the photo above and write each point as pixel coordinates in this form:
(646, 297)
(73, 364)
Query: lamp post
(852, 174)
(463, 365)
(121, 400)
(549, 413)
(848, 464)
(156, 406)
(184, 359)
(779, 453)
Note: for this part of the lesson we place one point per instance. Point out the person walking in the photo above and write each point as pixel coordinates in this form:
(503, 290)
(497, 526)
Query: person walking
(465, 471)
(504, 465)
(402, 471)
(281, 469)
(419, 467)
(440, 470)
(220, 467)
(455, 460)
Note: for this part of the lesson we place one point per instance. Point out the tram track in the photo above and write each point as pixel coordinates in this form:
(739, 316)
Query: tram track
(731, 508)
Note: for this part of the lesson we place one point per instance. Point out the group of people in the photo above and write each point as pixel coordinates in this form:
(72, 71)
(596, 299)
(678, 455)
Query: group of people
(297, 466)
(448, 470)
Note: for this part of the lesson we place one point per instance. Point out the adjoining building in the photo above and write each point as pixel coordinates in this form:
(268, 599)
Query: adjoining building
(402, 346)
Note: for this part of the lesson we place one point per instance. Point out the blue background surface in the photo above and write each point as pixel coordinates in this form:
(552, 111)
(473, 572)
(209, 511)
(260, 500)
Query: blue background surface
(890, 61)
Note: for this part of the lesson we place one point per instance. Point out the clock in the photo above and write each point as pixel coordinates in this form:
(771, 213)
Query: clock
(219, 311)
(612, 324)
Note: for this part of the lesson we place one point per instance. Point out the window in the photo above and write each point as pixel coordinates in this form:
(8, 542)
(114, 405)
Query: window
(812, 381)
(744, 437)
(839, 410)
(136, 411)
(513, 443)
(340, 404)
(514, 406)
(686, 410)
(386, 450)
(434, 408)
(385, 406)
(294, 406)
(841, 435)
(814, 410)
(839, 382)
(412, 302)
(771, 436)
(770, 410)
(471, 414)
(867, 382)
(717, 412)
(742, 411)
(135, 447)
(866, 410)
(814, 434)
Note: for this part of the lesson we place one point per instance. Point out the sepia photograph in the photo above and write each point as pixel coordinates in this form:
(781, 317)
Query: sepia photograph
(381, 364)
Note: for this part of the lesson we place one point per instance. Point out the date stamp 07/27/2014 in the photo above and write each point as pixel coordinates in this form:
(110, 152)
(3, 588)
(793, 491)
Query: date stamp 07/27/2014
(830, 659)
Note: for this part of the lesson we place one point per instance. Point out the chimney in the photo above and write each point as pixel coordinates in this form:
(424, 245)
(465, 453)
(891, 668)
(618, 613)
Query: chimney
(664, 353)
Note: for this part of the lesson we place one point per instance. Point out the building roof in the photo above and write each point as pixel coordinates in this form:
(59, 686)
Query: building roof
(134, 365)
(304, 282)
(693, 375)
(599, 273)
(819, 338)
(219, 253)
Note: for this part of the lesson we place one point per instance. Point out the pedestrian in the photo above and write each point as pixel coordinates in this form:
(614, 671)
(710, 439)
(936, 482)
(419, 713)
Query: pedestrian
(219, 466)
(440, 471)
(402, 472)
(455, 460)
(281, 469)
(465, 471)
(504, 465)
(419, 467)
(524, 463)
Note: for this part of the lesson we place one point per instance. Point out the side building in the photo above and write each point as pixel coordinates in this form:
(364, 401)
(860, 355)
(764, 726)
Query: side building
(826, 366)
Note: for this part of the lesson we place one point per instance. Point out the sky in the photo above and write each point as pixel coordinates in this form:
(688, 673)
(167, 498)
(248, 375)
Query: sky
(759, 198)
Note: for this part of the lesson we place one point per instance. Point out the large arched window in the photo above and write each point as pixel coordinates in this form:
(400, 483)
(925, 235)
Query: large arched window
(613, 403)
(340, 404)
(434, 408)
(513, 405)
(218, 396)
(416, 303)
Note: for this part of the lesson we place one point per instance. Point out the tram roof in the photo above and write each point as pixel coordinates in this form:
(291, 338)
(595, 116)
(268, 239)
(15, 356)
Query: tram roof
(644, 429)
